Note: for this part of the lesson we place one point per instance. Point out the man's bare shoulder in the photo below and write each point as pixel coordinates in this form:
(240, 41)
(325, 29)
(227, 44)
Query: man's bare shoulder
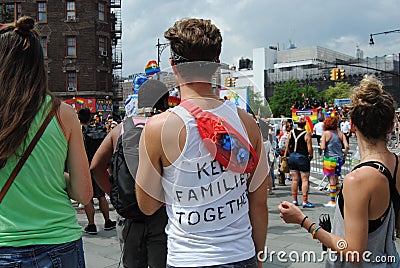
(163, 121)
(251, 126)
(247, 120)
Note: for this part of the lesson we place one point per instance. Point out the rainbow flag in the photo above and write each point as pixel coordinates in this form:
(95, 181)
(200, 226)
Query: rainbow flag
(309, 125)
(80, 101)
(311, 113)
(311, 116)
(152, 68)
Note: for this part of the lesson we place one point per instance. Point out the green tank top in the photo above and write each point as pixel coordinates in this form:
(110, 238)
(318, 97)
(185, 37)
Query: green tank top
(36, 209)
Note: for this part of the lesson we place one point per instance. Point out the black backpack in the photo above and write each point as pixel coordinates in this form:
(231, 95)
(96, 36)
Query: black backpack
(93, 137)
(122, 179)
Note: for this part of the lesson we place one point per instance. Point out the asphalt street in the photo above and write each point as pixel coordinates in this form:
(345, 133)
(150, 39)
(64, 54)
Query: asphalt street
(284, 242)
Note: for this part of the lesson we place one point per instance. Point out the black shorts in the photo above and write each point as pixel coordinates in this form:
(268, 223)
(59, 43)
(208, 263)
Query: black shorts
(144, 244)
(97, 191)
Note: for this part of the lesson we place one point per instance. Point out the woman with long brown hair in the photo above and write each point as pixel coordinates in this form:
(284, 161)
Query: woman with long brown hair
(38, 225)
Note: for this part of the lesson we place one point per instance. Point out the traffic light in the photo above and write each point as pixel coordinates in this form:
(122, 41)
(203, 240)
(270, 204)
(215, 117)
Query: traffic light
(334, 74)
(230, 82)
(341, 74)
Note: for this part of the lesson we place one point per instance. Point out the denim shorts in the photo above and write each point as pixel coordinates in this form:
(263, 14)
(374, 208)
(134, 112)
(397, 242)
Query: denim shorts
(67, 255)
(299, 162)
(249, 263)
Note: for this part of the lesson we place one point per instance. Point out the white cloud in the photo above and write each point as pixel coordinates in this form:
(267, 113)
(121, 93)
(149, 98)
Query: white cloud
(248, 24)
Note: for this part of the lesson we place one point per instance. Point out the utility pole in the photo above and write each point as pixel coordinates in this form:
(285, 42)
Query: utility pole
(160, 49)
(371, 40)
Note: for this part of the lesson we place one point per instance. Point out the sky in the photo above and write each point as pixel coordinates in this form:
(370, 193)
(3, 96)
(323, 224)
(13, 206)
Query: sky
(247, 24)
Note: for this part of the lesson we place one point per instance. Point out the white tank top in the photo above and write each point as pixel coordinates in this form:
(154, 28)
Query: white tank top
(207, 205)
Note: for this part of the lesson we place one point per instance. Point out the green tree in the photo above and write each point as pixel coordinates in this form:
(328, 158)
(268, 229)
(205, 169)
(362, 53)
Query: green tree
(287, 94)
(256, 103)
(341, 90)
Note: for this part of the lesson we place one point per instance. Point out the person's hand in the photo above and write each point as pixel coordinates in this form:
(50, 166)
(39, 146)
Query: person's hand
(290, 213)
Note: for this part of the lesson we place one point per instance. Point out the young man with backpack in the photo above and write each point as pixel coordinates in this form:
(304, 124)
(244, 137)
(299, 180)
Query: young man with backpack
(200, 159)
(93, 136)
(142, 238)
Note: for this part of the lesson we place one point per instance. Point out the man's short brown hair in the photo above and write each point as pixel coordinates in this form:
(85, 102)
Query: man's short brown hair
(195, 40)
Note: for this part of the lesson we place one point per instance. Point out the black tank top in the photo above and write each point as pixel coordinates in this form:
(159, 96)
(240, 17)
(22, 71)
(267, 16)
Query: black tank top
(394, 195)
(301, 142)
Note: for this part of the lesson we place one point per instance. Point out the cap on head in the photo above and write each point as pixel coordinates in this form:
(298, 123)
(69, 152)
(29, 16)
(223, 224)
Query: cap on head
(150, 93)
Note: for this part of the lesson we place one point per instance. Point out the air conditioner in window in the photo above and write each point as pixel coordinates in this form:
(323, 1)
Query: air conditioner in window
(71, 89)
(70, 18)
(103, 53)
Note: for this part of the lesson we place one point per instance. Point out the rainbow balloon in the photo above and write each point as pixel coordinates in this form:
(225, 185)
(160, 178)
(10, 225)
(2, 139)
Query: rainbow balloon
(152, 68)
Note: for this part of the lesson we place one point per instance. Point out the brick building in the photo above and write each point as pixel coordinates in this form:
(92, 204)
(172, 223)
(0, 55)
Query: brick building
(81, 45)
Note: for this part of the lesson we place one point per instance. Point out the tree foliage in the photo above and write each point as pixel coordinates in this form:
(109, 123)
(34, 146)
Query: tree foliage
(341, 90)
(287, 94)
(256, 103)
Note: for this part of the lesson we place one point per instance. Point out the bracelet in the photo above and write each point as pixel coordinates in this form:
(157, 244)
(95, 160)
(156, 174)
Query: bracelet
(302, 222)
(314, 233)
(309, 228)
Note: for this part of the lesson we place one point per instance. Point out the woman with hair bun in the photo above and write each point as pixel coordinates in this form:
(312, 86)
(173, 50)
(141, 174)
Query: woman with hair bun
(363, 230)
(38, 225)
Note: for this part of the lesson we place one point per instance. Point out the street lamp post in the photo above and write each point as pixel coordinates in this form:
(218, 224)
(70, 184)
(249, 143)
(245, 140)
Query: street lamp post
(371, 39)
(371, 42)
(160, 49)
(307, 84)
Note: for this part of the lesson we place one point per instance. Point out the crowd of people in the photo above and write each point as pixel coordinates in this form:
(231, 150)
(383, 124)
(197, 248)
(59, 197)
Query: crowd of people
(198, 172)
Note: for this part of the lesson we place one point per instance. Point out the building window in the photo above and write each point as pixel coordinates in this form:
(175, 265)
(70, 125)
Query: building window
(42, 11)
(102, 46)
(43, 42)
(102, 11)
(71, 11)
(102, 78)
(10, 12)
(71, 81)
(19, 11)
(71, 46)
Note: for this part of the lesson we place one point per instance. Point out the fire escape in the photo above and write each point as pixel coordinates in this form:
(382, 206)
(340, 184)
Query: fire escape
(116, 43)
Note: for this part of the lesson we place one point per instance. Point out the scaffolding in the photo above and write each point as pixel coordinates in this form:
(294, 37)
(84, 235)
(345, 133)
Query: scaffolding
(116, 34)
(116, 42)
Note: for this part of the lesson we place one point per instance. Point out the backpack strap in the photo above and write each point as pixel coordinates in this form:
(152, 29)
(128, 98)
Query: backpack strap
(130, 141)
(131, 122)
